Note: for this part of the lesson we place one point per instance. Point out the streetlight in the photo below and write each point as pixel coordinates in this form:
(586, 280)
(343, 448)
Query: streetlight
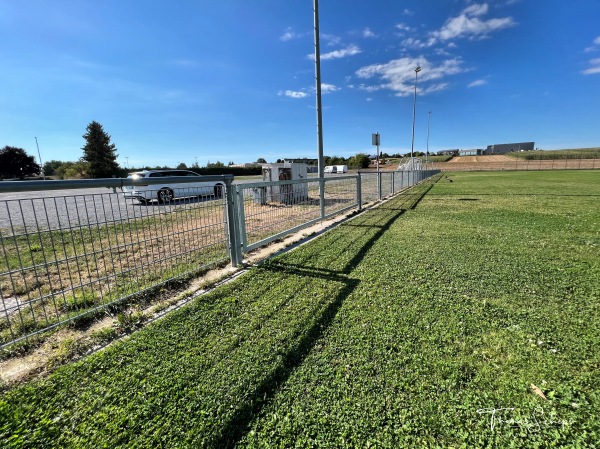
(427, 153)
(40, 156)
(412, 146)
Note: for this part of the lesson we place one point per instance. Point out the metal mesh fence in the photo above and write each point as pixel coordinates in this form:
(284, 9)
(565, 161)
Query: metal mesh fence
(66, 255)
(270, 210)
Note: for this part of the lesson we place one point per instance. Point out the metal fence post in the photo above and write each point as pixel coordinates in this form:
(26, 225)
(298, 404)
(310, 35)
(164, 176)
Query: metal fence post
(359, 191)
(233, 247)
(241, 219)
(322, 197)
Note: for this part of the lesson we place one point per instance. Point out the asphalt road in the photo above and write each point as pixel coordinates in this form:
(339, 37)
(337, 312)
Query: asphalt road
(26, 212)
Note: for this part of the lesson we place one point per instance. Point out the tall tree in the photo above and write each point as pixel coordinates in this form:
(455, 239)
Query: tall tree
(99, 153)
(16, 163)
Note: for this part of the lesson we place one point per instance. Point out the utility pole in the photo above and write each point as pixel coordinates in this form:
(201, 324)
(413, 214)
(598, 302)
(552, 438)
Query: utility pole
(412, 145)
(321, 167)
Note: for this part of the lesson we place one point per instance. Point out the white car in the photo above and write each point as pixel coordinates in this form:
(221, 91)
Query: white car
(165, 193)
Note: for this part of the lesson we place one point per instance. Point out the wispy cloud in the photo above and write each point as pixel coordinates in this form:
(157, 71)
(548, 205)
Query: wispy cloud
(330, 39)
(403, 27)
(368, 33)
(595, 45)
(306, 91)
(338, 54)
(399, 75)
(595, 63)
(469, 24)
(328, 88)
(477, 83)
(289, 34)
(293, 94)
(595, 67)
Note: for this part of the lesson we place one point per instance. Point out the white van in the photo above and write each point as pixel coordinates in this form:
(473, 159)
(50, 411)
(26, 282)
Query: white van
(331, 169)
(165, 193)
(342, 169)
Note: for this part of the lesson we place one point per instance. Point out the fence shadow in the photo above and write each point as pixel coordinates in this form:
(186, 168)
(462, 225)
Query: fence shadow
(264, 393)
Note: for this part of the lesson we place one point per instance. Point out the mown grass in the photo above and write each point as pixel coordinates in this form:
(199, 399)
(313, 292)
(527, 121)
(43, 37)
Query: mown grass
(406, 327)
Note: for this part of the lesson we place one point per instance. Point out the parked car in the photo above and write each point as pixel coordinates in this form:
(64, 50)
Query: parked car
(167, 192)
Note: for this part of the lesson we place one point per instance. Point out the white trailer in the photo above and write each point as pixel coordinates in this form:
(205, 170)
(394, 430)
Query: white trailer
(342, 169)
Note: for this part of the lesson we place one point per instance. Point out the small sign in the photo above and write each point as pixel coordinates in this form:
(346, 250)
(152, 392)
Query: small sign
(375, 138)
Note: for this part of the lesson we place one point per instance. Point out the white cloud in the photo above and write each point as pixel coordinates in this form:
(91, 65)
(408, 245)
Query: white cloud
(338, 54)
(288, 35)
(399, 75)
(594, 69)
(293, 94)
(407, 12)
(328, 88)
(403, 27)
(331, 39)
(476, 10)
(469, 24)
(594, 47)
(477, 83)
(368, 33)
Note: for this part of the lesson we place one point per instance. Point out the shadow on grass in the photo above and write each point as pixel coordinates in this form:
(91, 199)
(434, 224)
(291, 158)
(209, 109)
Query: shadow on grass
(243, 418)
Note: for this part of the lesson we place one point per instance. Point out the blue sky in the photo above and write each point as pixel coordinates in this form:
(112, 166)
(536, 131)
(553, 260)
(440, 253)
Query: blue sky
(233, 80)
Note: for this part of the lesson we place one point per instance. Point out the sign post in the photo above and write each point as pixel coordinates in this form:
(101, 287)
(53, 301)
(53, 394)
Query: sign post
(376, 140)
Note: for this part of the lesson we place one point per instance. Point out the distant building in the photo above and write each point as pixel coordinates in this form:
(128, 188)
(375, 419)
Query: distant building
(472, 152)
(504, 148)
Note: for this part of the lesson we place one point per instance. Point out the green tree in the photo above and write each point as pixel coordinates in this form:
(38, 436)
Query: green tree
(50, 167)
(182, 166)
(361, 160)
(99, 153)
(16, 163)
(73, 170)
(261, 160)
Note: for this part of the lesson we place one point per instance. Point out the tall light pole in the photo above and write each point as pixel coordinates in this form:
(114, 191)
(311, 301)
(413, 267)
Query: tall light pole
(40, 156)
(412, 146)
(319, 112)
(427, 153)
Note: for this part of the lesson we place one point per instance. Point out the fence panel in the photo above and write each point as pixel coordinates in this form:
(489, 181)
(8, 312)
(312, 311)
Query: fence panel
(269, 210)
(66, 254)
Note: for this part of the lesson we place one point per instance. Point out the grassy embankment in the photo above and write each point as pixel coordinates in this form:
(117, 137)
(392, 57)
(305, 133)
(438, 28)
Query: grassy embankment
(422, 327)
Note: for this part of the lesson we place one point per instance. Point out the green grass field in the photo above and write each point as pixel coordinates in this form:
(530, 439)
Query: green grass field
(422, 323)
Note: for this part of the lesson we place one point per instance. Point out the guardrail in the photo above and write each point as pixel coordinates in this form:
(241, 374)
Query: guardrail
(71, 249)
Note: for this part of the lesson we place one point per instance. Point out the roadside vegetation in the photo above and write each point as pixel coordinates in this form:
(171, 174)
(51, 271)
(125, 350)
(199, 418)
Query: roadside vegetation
(462, 316)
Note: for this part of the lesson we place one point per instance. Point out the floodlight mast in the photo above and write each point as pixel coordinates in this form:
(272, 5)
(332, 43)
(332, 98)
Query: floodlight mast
(412, 145)
(321, 168)
(40, 156)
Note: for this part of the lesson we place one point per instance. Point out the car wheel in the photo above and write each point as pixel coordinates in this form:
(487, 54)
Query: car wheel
(165, 195)
(218, 191)
(143, 200)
